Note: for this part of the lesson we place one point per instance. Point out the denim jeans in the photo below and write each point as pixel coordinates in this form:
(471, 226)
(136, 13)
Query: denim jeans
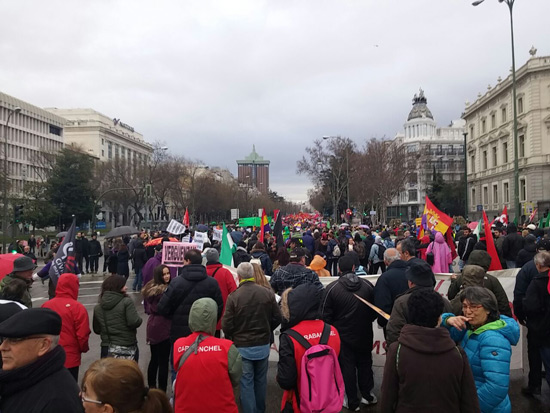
(138, 283)
(545, 355)
(254, 385)
(461, 264)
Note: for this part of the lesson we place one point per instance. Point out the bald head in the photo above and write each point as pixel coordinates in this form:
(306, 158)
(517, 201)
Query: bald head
(391, 255)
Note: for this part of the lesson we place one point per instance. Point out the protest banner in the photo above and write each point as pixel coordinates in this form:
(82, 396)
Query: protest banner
(173, 252)
(217, 234)
(199, 239)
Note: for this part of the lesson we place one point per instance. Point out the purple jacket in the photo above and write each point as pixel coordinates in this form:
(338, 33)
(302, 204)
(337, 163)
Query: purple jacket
(158, 327)
(147, 273)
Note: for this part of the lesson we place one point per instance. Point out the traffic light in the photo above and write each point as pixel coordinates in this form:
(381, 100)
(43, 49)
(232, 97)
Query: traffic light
(18, 212)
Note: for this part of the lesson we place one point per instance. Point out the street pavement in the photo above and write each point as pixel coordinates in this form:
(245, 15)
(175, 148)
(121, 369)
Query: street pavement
(90, 287)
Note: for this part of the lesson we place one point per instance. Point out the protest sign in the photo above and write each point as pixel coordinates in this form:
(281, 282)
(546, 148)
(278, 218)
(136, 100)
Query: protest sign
(199, 239)
(217, 234)
(173, 252)
(174, 227)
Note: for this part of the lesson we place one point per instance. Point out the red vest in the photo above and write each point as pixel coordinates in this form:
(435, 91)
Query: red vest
(312, 330)
(203, 384)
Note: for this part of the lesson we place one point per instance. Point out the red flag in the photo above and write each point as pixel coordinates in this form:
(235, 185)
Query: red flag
(491, 249)
(532, 216)
(451, 243)
(504, 216)
(262, 225)
(186, 218)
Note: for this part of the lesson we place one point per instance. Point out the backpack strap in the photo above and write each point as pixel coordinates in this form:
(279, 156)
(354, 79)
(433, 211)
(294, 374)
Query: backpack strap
(298, 337)
(397, 359)
(193, 348)
(326, 334)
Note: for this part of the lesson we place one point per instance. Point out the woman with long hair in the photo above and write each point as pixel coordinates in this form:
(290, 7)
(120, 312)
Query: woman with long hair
(158, 328)
(259, 276)
(116, 320)
(114, 385)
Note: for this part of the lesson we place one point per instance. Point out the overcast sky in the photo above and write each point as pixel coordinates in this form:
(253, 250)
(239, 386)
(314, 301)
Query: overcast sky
(212, 78)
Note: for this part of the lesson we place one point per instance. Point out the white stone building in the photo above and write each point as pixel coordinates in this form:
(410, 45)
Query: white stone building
(489, 122)
(31, 131)
(427, 146)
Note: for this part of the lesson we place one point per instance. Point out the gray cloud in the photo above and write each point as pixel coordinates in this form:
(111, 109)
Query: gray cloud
(211, 78)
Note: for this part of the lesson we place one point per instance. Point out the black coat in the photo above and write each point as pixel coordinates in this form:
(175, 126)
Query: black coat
(122, 267)
(94, 247)
(177, 300)
(523, 280)
(139, 257)
(352, 318)
(511, 246)
(466, 246)
(44, 386)
(389, 285)
(536, 306)
(526, 254)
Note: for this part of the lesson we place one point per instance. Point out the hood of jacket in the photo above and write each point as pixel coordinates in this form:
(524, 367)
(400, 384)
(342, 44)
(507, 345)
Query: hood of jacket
(194, 272)
(203, 316)
(472, 275)
(426, 340)
(152, 289)
(110, 299)
(67, 286)
(258, 253)
(378, 240)
(481, 258)
(350, 281)
(506, 326)
(439, 238)
(317, 263)
(302, 304)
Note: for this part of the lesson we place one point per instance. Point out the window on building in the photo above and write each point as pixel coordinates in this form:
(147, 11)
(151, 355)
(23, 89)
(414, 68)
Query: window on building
(495, 194)
(103, 152)
(522, 190)
(413, 178)
(521, 146)
(110, 150)
(484, 159)
(506, 192)
(472, 163)
(413, 195)
(483, 126)
(471, 132)
(495, 157)
(520, 105)
(485, 195)
(493, 121)
(505, 152)
(473, 197)
(504, 115)
(54, 130)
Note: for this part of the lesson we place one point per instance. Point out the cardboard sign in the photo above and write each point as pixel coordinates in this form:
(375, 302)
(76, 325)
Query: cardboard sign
(199, 239)
(173, 253)
(217, 235)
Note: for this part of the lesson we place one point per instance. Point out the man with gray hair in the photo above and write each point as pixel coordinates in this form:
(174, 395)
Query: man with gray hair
(536, 306)
(251, 315)
(391, 283)
(33, 378)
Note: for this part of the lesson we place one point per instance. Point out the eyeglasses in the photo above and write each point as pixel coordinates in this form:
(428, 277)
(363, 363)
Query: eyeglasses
(84, 399)
(16, 340)
(471, 307)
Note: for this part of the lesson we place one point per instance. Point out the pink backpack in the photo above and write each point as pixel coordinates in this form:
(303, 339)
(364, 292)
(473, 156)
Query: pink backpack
(321, 385)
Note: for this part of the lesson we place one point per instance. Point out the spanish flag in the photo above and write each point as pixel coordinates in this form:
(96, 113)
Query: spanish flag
(263, 224)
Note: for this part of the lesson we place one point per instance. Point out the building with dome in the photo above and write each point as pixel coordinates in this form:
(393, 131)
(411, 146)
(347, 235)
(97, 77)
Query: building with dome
(253, 171)
(429, 147)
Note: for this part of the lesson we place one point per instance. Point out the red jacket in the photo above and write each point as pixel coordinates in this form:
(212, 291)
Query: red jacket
(75, 327)
(203, 384)
(226, 282)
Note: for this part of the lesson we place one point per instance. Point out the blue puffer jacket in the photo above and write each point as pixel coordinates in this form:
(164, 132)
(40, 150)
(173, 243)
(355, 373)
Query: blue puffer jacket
(489, 351)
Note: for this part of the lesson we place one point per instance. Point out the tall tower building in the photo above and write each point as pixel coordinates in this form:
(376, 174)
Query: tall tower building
(253, 171)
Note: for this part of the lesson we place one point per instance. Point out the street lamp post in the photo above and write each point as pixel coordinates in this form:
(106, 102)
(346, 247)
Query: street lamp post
(465, 134)
(510, 4)
(17, 109)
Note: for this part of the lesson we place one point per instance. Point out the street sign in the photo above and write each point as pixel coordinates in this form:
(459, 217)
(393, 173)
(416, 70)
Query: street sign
(100, 225)
(234, 214)
(373, 212)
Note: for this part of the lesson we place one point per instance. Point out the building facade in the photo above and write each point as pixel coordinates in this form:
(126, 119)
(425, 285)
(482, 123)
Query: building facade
(253, 171)
(430, 148)
(107, 139)
(490, 143)
(30, 132)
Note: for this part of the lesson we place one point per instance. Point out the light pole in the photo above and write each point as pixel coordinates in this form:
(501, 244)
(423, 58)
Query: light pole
(17, 109)
(347, 169)
(510, 4)
(465, 134)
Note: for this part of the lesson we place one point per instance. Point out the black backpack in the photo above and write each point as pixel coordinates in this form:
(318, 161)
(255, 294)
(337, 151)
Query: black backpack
(381, 250)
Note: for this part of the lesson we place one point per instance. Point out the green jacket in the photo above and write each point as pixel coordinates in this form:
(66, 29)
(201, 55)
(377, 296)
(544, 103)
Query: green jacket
(203, 318)
(120, 313)
(26, 299)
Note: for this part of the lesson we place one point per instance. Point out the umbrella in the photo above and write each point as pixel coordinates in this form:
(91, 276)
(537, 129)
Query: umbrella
(122, 231)
(364, 226)
(61, 234)
(6, 263)
(472, 225)
(157, 241)
(344, 225)
(202, 228)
